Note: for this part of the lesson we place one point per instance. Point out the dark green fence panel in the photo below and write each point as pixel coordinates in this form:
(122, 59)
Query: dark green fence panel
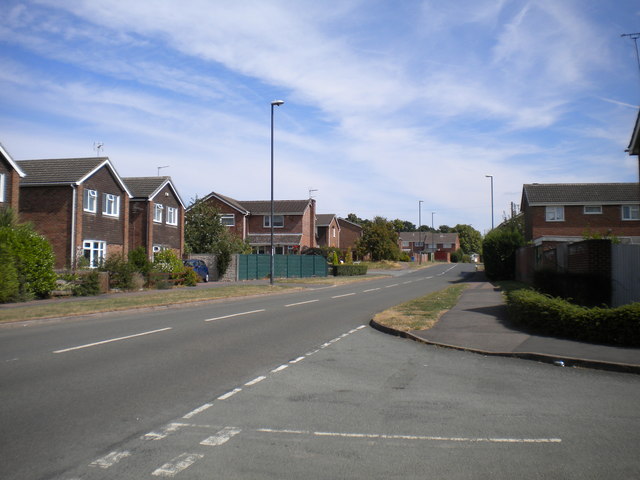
(252, 267)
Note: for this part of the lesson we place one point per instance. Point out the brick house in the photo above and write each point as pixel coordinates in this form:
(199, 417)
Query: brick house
(294, 222)
(328, 230)
(560, 213)
(156, 215)
(349, 234)
(441, 245)
(10, 175)
(81, 205)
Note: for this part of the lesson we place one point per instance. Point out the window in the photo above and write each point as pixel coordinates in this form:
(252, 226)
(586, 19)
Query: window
(2, 187)
(593, 209)
(172, 216)
(111, 206)
(631, 212)
(333, 232)
(157, 212)
(555, 214)
(90, 201)
(94, 252)
(406, 244)
(278, 221)
(419, 244)
(228, 219)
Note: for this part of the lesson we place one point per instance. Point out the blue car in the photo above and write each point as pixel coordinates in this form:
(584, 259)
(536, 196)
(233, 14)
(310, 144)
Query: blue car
(199, 267)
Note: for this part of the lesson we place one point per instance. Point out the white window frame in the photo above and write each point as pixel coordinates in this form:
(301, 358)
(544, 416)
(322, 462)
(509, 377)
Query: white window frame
(266, 221)
(97, 252)
(2, 188)
(595, 209)
(554, 214)
(419, 244)
(90, 203)
(157, 212)
(630, 212)
(172, 216)
(111, 205)
(225, 217)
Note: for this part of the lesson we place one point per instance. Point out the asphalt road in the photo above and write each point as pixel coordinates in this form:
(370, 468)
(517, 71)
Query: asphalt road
(297, 386)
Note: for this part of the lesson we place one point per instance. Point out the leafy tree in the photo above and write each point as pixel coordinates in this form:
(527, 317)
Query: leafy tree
(380, 240)
(426, 228)
(470, 239)
(353, 218)
(204, 233)
(445, 229)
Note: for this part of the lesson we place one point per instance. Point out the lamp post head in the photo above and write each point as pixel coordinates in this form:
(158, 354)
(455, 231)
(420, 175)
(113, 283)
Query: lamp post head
(277, 103)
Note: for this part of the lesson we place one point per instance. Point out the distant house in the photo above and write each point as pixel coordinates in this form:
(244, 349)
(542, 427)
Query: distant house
(294, 222)
(10, 175)
(441, 245)
(81, 205)
(328, 230)
(156, 215)
(349, 232)
(569, 212)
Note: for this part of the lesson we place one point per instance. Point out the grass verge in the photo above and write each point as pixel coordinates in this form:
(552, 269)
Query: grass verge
(130, 301)
(421, 313)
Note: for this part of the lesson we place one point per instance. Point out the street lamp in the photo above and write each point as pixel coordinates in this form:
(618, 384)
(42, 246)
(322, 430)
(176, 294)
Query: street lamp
(275, 103)
(491, 177)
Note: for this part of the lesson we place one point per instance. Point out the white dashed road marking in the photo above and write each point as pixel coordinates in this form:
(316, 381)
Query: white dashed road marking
(198, 410)
(223, 436)
(178, 464)
(392, 285)
(109, 460)
(112, 340)
(234, 315)
(345, 295)
(254, 381)
(371, 290)
(172, 427)
(301, 303)
(229, 394)
(279, 369)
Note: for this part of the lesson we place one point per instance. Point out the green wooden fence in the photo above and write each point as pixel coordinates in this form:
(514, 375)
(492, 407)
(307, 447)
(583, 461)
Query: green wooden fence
(252, 267)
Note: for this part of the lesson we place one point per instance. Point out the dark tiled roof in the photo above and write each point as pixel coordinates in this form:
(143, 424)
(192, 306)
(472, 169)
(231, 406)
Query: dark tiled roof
(145, 187)
(58, 170)
(281, 207)
(428, 237)
(278, 239)
(580, 193)
(228, 200)
(324, 219)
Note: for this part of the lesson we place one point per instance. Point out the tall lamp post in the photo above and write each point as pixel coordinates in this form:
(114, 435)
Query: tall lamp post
(275, 103)
(420, 202)
(491, 177)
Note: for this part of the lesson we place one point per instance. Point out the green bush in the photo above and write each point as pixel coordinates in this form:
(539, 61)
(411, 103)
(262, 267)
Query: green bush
(9, 285)
(167, 261)
(120, 272)
(139, 260)
(349, 270)
(404, 257)
(499, 253)
(86, 283)
(555, 316)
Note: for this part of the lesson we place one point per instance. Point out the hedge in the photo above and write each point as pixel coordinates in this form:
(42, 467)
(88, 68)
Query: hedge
(555, 316)
(345, 270)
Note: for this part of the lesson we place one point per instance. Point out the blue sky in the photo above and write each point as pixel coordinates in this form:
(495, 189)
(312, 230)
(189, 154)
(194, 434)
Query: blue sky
(386, 102)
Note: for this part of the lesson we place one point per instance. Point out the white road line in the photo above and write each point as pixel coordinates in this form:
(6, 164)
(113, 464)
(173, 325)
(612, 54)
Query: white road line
(345, 295)
(299, 359)
(406, 283)
(198, 410)
(254, 381)
(429, 278)
(279, 369)
(393, 285)
(178, 464)
(110, 459)
(234, 315)
(222, 437)
(64, 350)
(412, 437)
(229, 394)
(371, 290)
(302, 303)
(172, 427)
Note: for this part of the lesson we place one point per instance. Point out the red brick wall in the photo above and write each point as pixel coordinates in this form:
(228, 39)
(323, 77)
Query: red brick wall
(11, 185)
(164, 234)
(577, 224)
(349, 235)
(96, 226)
(222, 207)
(591, 256)
(49, 210)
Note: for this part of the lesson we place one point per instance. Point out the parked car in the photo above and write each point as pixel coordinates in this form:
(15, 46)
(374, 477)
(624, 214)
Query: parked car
(199, 267)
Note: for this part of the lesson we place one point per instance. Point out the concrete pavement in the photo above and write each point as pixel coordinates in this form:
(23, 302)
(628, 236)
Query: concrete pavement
(479, 323)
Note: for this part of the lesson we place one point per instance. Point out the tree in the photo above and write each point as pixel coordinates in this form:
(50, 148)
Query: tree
(444, 229)
(353, 218)
(204, 233)
(499, 251)
(470, 239)
(380, 240)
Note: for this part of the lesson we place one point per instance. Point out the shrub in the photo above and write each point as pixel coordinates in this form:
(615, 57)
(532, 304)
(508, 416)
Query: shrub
(139, 260)
(555, 316)
(86, 284)
(187, 277)
(499, 252)
(9, 285)
(404, 257)
(167, 261)
(349, 270)
(120, 272)
(348, 258)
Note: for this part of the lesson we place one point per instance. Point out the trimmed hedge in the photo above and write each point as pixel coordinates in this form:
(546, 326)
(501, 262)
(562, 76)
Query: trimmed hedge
(555, 316)
(349, 270)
